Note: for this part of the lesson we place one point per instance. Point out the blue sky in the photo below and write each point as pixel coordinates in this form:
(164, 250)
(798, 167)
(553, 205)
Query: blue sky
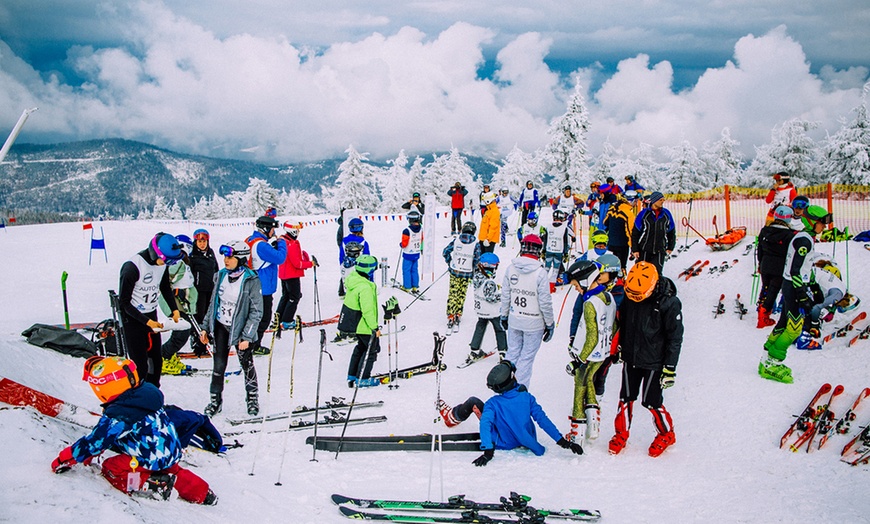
(277, 81)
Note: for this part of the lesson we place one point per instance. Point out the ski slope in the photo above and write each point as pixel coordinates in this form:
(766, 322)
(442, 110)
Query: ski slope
(724, 467)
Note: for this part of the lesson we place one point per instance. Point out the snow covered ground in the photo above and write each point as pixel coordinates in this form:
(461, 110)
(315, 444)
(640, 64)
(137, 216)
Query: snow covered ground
(725, 466)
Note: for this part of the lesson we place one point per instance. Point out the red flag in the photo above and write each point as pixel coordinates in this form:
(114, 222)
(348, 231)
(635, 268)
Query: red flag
(11, 220)
(87, 225)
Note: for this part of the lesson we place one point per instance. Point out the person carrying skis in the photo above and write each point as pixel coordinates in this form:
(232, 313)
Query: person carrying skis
(462, 255)
(654, 234)
(457, 195)
(650, 338)
(290, 273)
(490, 224)
(233, 318)
(506, 206)
(359, 315)
(631, 184)
(412, 245)
(619, 221)
(267, 254)
(186, 297)
(487, 304)
(355, 226)
(526, 307)
(203, 265)
(528, 200)
(782, 193)
(559, 238)
(508, 418)
(415, 205)
(135, 425)
(773, 244)
(796, 299)
(142, 279)
(599, 316)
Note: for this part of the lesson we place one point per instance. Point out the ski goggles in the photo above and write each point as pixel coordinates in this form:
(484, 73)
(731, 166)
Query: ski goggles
(800, 204)
(228, 251)
(200, 234)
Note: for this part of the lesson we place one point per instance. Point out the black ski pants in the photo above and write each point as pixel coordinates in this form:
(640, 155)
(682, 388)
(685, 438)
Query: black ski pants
(771, 283)
(480, 331)
(358, 367)
(632, 380)
(265, 320)
(143, 348)
(291, 292)
(220, 358)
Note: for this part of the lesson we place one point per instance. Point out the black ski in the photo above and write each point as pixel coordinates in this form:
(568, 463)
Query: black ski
(335, 419)
(351, 445)
(334, 404)
(720, 307)
(739, 307)
(422, 437)
(420, 369)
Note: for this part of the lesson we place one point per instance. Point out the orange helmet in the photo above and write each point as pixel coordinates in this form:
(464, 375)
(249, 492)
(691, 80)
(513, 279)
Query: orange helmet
(110, 376)
(641, 281)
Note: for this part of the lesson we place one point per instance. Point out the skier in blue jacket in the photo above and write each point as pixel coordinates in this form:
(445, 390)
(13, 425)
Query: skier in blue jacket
(267, 253)
(507, 419)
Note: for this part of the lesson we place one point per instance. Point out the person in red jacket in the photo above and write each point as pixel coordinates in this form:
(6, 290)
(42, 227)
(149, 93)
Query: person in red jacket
(457, 195)
(290, 272)
(782, 193)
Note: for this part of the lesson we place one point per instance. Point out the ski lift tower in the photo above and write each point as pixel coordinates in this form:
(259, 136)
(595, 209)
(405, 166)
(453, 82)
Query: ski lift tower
(15, 130)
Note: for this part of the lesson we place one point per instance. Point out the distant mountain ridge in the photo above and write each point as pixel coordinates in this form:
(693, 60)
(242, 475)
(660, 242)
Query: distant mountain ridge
(119, 177)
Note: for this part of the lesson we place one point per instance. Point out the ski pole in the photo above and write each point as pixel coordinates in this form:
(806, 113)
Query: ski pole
(297, 335)
(427, 289)
(63, 277)
(396, 369)
(685, 244)
(564, 300)
(398, 262)
(436, 435)
(355, 391)
(317, 389)
(317, 314)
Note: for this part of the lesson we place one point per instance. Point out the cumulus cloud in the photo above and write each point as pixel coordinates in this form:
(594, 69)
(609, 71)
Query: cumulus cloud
(176, 84)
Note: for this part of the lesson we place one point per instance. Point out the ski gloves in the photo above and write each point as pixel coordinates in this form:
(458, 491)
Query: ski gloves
(314, 262)
(484, 459)
(548, 332)
(65, 461)
(576, 366)
(803, 298)
(575, 448)
(669, 376)
(391, 308)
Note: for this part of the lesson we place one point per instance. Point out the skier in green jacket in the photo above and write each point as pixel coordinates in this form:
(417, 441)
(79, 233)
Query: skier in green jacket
(359, 314)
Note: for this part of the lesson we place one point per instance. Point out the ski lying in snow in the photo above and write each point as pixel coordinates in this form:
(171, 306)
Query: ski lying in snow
(857, 450)
(739, 307)
(844, 425)
(827, 422)
(863, 334)
(322, 322)
(812, 427)
(346, 341)
(517, 504)
(333, 420)
(470, 360)
(422, 437)
(16, 394)
(332, 444)
(803, 421)
(720, 307)
(193, 372)
(748, 249)
(395, 284)
(432, 366)
(335, 404)
(689, 269)
(697, 271)
(468, 516)
(842, 331)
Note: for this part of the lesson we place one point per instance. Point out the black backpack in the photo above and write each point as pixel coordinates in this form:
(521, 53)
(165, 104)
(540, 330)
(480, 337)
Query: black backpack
(105, 337)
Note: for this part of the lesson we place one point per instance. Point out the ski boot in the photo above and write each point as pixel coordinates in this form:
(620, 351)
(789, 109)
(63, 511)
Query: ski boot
(661, 443)
(261, 350)
(449, 324)
(552, 287)
(814, 328)
(214, 407)
(807, 342)
(593, 422)
(351, 381)
(447, 415)
(575, 430)
(369, 382)
(158, 486)
(773, 369)
(617, 442)
(474, 356)
(288, 326)
(253, 404)
(173, 366)
(210, 499)
(764, 319)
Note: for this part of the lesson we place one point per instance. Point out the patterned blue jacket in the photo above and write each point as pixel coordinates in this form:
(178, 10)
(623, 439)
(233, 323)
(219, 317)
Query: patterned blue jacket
(134, 424)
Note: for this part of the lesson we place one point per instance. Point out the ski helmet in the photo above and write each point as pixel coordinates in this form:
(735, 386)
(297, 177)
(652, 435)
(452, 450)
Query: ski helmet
(800, 202)
(641, 281)
(266, 223)
(783, 213)
(237, 249)
(353, 249)
(110, 376)
(819, 214)
(529, 183)
(584, 272)
(504, 190)
(414, 217)
(559, 216)
(271, 212)
(532, 218)
(531, 244)
(488, 261)
(469, 227)
(567, 188)
(355, 225)
(488, 198)
(165, 247)
(595, 185)
(609, 263)
(599, 237)
(366, 264)
(501, 377)
(201, 234)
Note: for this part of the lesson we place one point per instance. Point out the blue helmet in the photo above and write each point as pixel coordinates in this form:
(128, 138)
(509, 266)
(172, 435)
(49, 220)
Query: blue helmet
(532, 217)
(166, 248)
(201, 234)
(355, 225)
(489, 261)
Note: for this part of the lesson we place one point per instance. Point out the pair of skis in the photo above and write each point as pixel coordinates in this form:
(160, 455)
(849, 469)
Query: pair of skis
(337, 403)
(422, 442)
(844, 330)
(509, 510)
(739, 307)
(819, 419)
(693, 270)
(723, 267)
(421, 369)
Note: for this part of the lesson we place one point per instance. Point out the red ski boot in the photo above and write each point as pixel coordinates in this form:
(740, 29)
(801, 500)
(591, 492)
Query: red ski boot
(617, 443)
(661, 443)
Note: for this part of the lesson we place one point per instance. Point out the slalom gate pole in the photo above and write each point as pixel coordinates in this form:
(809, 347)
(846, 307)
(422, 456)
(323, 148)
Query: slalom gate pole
(275, 332)
(436, 435)
(564, 300)
(427, 289)
(63, 277)
(353, 399)
(297, 336)
(686, 243)
(317, 389)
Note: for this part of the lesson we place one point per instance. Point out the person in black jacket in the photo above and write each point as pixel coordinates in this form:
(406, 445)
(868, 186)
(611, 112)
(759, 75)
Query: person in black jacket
(415, 204)
(773, 242)
(203, 264)
(650, 338)
(654, 234)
